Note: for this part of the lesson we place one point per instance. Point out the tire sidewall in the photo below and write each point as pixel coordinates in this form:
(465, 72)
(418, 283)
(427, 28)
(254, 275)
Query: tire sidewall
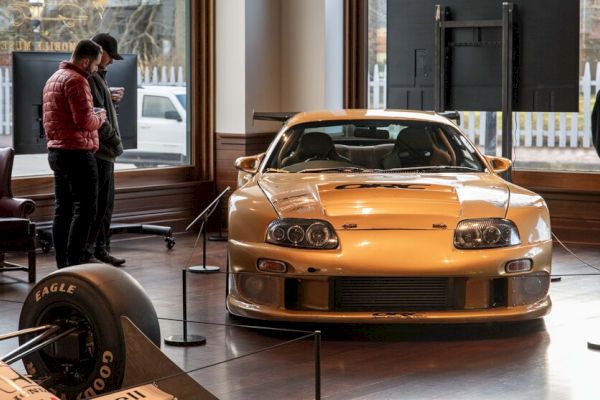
(106, 371)
(101, 295)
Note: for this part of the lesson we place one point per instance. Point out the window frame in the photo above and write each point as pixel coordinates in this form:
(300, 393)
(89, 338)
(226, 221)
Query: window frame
(201, 78)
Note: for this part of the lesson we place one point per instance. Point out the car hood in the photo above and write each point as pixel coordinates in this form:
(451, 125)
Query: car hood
(378, 201)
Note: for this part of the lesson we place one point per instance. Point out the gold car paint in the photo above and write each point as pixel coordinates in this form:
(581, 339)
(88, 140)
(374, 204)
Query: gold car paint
(533, 227)
(356, 198)
(390, 253)
(367, 251)
(249, 214)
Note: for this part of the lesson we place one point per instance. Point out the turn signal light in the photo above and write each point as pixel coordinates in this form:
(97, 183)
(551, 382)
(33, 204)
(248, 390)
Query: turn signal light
(522, 265)
(271, 265)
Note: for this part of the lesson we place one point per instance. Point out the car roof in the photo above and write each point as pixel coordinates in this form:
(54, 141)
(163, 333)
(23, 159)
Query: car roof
(365, 114)
(164, 89)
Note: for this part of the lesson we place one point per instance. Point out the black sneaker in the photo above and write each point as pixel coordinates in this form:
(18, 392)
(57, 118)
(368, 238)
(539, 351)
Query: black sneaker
(105, 257)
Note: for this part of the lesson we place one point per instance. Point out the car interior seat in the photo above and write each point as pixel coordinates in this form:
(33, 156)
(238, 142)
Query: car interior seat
(313, 146)
(415, 147)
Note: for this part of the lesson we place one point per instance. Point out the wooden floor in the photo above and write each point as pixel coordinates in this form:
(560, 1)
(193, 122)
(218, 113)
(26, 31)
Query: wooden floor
(548, 359)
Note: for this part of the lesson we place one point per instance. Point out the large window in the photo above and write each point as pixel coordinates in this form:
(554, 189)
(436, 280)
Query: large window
(156, 31)
(542, 141)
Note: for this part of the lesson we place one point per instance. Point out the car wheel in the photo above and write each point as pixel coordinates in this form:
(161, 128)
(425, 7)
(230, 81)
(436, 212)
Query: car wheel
(91, 297)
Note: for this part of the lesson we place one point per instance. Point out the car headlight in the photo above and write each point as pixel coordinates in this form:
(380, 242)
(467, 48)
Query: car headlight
(485, 233)
(304, 233)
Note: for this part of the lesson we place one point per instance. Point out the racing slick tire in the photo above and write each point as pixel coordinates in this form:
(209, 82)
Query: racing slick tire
(93, 297)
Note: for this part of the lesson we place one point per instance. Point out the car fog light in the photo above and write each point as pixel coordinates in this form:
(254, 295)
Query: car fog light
(527, 289)
(259, 288)
(533, 286)
(271, 265)
(522, 265)
(253, 285)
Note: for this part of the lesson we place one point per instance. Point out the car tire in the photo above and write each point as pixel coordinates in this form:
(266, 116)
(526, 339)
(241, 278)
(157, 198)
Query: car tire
(94, 297)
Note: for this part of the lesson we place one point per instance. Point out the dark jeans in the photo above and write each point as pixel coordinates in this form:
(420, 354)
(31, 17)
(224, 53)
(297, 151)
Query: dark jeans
(76, 191)
(99, 232)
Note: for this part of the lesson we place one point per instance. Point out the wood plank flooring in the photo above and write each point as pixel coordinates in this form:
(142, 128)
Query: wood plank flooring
(547, 359)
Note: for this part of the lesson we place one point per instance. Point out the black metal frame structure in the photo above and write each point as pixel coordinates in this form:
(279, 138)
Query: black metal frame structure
(508, 53)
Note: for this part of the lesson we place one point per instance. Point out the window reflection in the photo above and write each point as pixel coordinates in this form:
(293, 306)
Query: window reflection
(154, 30)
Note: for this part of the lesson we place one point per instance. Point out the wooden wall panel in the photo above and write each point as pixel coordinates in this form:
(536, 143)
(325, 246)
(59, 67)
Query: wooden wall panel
(170, 204)
(573, 200)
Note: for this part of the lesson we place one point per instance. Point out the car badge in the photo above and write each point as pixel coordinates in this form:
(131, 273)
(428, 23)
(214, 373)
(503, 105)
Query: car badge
(439, 226)
(349, 226)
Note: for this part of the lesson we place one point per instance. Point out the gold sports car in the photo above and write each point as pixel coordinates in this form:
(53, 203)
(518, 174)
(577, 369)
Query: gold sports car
(365, 216)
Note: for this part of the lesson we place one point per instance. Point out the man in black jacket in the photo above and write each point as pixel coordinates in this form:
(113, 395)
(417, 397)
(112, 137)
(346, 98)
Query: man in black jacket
(110, 148)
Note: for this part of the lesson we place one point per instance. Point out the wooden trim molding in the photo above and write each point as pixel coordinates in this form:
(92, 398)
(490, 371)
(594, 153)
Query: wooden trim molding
(355, 53)
(203, 86)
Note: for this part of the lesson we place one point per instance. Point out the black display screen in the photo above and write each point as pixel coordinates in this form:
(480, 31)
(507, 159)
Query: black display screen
(31, 70)
(546, 62)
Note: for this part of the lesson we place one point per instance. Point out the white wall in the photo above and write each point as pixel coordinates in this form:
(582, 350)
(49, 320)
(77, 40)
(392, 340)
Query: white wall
(230, 66)
(263, 61)
(334, 54)
(303, 55)
(276, 55)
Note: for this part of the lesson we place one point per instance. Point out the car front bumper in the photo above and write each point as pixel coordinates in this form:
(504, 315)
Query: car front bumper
(383, 277)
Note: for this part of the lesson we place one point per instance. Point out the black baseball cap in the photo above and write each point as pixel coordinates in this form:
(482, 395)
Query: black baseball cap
(108, 44)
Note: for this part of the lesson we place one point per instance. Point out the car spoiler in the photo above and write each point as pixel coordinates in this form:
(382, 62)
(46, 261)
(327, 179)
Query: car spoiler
(273, 116)
(455, 115)
(285, 115)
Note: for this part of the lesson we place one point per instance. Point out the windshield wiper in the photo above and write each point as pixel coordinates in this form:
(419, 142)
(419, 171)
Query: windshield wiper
(433, 168)
(336, 169)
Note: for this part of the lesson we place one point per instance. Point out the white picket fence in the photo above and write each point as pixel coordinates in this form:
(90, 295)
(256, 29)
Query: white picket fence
(163, 75)
(537, 129)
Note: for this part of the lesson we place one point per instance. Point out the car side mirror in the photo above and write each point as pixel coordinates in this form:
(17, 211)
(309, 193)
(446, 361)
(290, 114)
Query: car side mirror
(247, 167)
(173, 115)
(499, 164)
(249, 164)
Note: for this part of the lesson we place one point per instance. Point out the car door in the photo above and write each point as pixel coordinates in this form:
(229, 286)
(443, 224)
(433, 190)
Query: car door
(161, 126)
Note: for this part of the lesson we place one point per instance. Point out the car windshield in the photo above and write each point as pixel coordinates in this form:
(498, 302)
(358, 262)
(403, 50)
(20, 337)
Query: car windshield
(182, 99)
(373, 146)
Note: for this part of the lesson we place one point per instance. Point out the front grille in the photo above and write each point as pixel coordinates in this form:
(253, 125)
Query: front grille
(391, 293)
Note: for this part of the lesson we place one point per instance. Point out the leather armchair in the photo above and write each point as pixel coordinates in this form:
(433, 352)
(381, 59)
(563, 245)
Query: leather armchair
(17, 233)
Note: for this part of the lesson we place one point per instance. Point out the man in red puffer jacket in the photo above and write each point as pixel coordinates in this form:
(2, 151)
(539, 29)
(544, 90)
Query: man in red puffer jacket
(71, 125)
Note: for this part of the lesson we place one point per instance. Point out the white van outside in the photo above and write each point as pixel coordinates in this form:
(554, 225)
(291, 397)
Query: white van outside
(162, 130)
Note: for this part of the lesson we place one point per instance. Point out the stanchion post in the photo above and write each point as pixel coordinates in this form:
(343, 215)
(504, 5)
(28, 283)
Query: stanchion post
(185, 340)
(184, 297)
(318, 365)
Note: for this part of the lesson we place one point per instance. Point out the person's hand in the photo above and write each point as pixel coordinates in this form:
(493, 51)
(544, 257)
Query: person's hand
(100, 112)
(116, 93)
